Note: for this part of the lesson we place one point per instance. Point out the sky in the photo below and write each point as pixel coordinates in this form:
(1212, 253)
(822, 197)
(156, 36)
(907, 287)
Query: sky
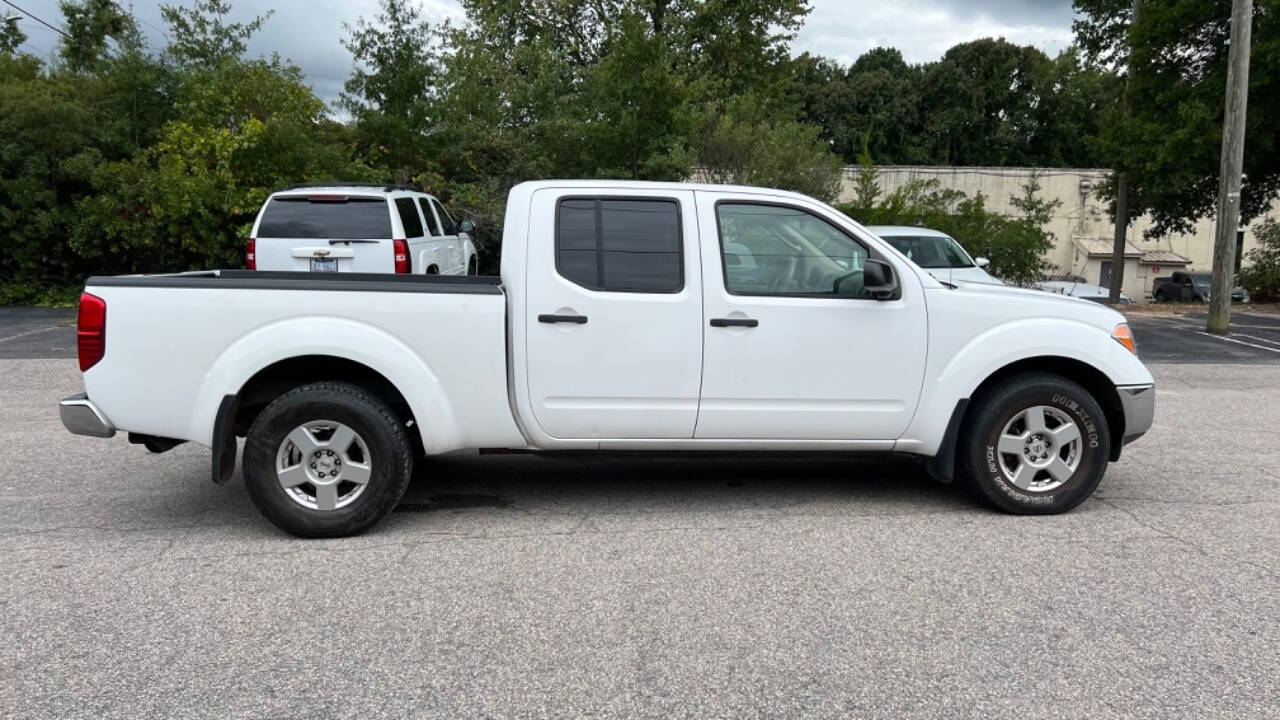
(308, 31)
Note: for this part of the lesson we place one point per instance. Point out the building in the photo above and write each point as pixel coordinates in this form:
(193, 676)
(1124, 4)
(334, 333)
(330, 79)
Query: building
(1081, 226)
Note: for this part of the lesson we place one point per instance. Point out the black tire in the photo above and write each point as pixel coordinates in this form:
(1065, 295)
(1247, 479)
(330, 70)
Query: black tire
(390, 463)
(984, 467)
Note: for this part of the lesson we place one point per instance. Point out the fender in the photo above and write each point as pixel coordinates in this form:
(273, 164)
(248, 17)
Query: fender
(337, 337)
(953, 377)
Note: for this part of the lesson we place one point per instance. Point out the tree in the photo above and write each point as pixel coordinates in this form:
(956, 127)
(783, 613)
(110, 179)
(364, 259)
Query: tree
(89, 24)
(11, 36)
(1261, 275)
(1171, 142)
(393, 89)
(202, 37)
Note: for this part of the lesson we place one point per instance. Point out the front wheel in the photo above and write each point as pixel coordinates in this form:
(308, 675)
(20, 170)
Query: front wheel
(1036, 444)
(326, 460)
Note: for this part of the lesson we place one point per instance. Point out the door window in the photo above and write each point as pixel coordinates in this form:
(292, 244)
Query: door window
(409, 217)
(450, 227)
(781, 250)
(1104, 277)
(620, 245)
(432, 226)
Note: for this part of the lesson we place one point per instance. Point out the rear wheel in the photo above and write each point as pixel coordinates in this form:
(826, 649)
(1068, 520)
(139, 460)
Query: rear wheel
(1036, 444)
(326, 460)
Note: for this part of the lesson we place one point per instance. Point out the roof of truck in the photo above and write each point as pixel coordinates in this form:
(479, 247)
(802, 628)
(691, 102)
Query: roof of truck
(533, 185)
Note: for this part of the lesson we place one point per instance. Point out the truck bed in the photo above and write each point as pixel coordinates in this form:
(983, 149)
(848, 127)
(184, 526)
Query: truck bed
(176, 345)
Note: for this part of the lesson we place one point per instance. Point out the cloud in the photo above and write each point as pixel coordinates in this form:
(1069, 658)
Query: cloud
(309, 32)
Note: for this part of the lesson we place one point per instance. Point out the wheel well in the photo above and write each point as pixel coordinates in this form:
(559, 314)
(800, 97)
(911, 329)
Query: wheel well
(278, 378)
(1087, 376)
(433, 270)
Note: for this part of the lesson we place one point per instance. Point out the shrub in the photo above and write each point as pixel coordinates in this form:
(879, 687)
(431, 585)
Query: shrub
(1261, 273)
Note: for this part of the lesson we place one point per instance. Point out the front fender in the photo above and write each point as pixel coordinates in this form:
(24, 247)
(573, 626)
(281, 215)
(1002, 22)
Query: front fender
(953, 375)
(336, 337)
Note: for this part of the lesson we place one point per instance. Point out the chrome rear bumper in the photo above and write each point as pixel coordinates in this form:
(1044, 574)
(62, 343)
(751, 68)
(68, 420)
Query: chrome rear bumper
(81, 417)
(1139, 404)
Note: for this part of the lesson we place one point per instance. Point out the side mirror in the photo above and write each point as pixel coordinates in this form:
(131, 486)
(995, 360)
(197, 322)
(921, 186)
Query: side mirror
(981, 262)
(466, 226)
(878, 280)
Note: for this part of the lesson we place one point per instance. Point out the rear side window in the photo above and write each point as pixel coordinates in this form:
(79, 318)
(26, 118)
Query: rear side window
(432, 226)
(325, 218)
(409, 219)
(620, 245)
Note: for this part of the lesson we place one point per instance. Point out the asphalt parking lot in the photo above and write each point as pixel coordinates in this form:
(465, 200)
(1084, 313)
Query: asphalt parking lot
(522, 586)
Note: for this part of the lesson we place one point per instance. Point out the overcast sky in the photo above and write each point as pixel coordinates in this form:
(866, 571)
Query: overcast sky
(308, 31)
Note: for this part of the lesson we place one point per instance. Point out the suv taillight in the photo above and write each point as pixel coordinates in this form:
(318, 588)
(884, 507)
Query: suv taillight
(400, 253)
(91, 330)
(251, 254)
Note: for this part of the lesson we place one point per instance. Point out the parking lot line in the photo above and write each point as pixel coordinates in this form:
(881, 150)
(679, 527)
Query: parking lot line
(1238, 342)
(30, 332)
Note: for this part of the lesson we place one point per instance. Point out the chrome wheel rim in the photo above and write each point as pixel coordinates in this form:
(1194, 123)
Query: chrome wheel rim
(1039, 449)
(323, 465)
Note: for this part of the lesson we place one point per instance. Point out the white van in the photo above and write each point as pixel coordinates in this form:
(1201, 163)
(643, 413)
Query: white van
(349, 227)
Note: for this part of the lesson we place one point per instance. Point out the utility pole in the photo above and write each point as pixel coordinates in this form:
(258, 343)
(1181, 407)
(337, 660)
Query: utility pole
(1224, 241)
(1122, 176)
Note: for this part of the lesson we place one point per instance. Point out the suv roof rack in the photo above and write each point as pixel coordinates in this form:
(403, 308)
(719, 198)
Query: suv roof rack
(385, 187)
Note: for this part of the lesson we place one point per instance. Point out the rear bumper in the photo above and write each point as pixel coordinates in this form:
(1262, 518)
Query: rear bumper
(81, 417)
(1139, 404)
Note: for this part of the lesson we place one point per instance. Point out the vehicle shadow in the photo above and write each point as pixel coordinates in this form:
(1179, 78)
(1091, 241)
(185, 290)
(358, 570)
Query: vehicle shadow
(572, 484)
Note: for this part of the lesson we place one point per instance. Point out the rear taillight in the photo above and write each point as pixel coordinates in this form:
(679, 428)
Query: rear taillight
(251, 254)
(400, 252)
(91, 330)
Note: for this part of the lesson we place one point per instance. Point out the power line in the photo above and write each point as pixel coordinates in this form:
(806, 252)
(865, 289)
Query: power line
(54, 28)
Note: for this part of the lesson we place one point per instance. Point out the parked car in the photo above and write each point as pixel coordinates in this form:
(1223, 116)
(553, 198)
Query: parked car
(1184, 286)
(616, 324)
(1076, 286)
(938, 253)
(353, 227)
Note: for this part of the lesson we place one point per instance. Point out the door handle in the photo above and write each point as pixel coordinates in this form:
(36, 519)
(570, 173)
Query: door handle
(576, 319)
(734, 322)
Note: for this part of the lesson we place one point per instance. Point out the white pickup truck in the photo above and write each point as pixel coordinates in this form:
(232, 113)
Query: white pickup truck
(628, 316)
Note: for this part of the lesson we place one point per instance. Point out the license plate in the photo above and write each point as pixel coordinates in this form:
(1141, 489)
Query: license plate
(327, 265)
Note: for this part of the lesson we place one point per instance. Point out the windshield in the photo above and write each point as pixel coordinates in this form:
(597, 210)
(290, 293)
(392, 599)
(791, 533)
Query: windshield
(931, 252)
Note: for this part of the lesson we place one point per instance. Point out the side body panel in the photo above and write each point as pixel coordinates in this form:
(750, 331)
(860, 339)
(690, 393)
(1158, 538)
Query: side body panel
(174, 352)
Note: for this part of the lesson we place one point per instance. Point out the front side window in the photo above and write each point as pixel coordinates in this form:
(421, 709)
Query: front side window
(620, 245)
(779, 250)
(432, 226)
(409, 217)
(450, 227)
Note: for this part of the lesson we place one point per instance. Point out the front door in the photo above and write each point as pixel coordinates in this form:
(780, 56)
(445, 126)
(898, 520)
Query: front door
(613, 314)
(794, 348)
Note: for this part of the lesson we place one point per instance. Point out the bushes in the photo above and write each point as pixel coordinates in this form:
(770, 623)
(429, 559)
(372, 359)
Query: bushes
(1261, 274)
(1016, 246)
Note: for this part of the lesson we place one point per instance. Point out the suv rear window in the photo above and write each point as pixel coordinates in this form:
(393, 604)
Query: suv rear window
(351, 218)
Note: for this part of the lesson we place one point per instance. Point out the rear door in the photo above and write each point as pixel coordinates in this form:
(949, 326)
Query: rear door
(613, 314)
(325, 232)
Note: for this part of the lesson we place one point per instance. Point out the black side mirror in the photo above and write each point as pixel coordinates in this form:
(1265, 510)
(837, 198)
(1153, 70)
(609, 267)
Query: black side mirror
(466, 226)
(878, 279)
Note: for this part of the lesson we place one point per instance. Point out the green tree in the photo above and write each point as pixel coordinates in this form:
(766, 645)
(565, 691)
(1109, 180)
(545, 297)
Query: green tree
(201, 36)
(11, 36)
(1171, 142)
(89, 24)
(1261, 272)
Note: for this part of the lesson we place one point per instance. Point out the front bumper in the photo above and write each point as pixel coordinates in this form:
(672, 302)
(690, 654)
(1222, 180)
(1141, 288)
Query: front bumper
(81, 417)
(1139, 405)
